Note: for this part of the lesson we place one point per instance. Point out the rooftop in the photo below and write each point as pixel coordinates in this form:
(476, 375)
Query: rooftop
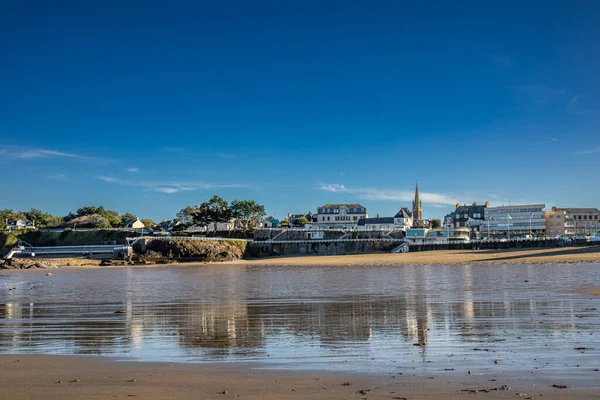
(342, 205)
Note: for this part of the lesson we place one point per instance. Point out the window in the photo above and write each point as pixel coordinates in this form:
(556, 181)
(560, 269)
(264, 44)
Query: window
(557, 217)
(355, 218)
(552, 216)
(327, 218)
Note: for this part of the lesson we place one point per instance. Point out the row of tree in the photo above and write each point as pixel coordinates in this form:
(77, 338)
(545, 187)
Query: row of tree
(246, 214)
(85, 217)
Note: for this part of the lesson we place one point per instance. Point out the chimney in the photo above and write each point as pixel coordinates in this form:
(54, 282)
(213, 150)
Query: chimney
(457, 205)
(474, 203)
(487, 204)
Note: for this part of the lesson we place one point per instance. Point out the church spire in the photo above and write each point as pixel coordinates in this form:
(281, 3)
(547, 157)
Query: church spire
(417, 209)
(417, 193)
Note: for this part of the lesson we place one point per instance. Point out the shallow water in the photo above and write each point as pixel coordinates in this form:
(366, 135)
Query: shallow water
(372, 318)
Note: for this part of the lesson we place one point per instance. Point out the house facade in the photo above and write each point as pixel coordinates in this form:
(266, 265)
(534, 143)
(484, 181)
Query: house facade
(559, 223)
(471, 216)
(20, 224)
(586, 221)
(401, 221)
(340, 216)
(135, 224)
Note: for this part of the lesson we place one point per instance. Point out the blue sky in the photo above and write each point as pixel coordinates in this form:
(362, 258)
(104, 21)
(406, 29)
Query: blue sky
(147, 107)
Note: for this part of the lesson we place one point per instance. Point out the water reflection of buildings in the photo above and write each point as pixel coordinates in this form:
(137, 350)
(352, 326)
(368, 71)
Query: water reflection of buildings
(241, 328)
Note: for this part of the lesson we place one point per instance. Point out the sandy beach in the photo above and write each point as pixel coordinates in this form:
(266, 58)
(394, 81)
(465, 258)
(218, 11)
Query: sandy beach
(589, 254)
(73, 377)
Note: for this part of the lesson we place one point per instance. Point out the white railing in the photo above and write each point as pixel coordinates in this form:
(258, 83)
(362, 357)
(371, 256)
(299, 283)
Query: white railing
(135, 239)
(307, 241)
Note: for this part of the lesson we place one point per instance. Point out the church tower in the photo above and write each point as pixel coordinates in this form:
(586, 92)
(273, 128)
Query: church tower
(417, 210)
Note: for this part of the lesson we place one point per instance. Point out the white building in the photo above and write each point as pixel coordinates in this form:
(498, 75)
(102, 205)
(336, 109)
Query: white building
(399, 222)
(184, 216)
(135, 224)
(339, 216)
(447, 235)
(20, 224)
(514, 220)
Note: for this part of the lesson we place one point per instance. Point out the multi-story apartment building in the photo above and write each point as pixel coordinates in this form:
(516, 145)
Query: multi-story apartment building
(586, 221)
(466, 216)
(559, 223)
(343, 216)
(514, 220)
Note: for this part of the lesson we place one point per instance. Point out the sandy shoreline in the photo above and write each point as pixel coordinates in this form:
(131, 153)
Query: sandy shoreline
(84, 377)
(589, 254)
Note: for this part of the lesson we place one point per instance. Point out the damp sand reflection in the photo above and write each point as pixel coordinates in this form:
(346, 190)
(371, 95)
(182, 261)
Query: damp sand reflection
(353, 318)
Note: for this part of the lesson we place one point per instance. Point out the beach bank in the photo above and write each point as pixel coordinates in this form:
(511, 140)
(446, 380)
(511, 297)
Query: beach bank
(86, 377)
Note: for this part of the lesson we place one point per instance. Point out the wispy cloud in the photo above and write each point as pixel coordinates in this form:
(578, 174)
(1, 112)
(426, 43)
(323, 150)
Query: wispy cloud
(389, 195)
(553, 139)
(164, 186)
(20, 152)
(57, 177)
(333, 187)
(166, 190)
(132, 170)
(591, 151)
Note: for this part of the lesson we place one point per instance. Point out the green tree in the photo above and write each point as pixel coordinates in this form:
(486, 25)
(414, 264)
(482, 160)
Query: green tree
(247, 212)
(98, 221)
(301, 221)
(42, 219)
(89, 210)
(219, 211)
(214, 211)
(127, 217)
(200, 215)
(436, 224)
(148, 223)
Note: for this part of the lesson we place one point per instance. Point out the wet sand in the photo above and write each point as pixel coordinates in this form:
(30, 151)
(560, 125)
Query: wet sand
(38, 377)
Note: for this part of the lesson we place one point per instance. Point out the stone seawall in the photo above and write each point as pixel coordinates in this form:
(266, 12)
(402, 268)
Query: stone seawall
(319, 248)
(344, 247)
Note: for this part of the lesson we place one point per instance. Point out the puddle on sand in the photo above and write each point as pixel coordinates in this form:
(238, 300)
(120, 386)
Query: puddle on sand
(433, 319)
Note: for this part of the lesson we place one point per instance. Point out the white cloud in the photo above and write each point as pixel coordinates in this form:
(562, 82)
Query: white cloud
(389, 194)
(333, 187)
(165, 187)
(132, 170)
(592, 151)
(58, 177)
(32, 153)
(553, 139)
(166, 190)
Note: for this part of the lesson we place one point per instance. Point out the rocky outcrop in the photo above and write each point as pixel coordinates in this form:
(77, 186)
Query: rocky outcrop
(198, 250)
(26, 263)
